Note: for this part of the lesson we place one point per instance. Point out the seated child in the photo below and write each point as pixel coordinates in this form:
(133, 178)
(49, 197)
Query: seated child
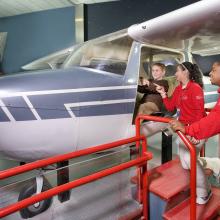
(152, 100)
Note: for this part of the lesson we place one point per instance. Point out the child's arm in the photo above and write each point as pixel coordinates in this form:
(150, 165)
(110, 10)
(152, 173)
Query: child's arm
(147, 87)
(170, 103)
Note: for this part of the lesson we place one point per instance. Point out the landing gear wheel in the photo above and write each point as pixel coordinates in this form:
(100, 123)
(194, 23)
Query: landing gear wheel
(37, 208)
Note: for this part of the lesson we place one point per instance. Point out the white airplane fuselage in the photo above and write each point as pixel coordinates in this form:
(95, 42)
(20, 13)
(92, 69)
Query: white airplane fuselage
(52, 112)
(39, 124)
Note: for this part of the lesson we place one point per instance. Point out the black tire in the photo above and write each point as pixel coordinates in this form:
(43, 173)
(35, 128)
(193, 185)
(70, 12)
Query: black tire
(28, 191)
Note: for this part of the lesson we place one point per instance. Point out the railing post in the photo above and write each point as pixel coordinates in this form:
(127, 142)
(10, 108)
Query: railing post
(144, 180)
(139, 183)
(202, 151)
(192, 149)
(166, 147)
(138, 130)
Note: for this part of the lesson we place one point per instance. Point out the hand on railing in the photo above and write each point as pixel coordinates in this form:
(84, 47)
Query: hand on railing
(177, 126)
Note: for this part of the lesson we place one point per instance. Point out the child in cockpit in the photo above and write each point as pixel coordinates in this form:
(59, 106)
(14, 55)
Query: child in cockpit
(152, 100)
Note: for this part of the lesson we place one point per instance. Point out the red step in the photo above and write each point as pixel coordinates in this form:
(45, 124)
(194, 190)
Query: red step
(204, 212)
(168, 180)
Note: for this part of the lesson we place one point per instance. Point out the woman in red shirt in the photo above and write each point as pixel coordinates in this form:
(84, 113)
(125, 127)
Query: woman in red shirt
(188, 100)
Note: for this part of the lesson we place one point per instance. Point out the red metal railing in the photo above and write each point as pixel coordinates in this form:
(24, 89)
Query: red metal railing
(192, 150)
(141, 161)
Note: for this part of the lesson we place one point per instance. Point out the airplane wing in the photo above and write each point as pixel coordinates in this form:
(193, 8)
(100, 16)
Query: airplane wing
(194, 28)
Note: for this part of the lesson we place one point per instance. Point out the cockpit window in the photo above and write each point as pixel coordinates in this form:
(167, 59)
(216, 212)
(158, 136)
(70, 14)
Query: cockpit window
(170, 59)
(109, 54)
(149, 56)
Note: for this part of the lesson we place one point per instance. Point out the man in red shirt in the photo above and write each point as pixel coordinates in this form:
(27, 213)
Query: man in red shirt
(207, 126)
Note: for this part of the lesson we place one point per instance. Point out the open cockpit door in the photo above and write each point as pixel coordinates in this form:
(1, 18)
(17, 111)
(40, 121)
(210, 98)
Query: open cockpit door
(151, 54)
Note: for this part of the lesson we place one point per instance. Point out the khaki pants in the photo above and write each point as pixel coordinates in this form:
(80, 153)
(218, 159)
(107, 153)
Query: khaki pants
(148, 108)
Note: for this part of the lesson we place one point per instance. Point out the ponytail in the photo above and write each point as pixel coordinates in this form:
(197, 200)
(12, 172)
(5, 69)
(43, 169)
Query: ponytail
(194, 72)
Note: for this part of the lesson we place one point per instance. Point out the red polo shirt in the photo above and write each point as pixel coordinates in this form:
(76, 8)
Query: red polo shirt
(189, 101)
(208, 126)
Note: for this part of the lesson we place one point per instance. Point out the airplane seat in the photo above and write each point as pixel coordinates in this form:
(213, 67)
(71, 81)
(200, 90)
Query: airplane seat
(172, 83)
(170, 70)
(170, 77)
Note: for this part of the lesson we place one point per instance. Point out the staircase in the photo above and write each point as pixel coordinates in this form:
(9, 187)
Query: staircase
(169, 195)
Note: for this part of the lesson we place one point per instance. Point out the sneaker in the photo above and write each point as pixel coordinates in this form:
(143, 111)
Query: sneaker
(204, 200)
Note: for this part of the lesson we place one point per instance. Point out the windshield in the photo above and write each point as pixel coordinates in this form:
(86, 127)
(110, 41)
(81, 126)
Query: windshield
(109, 53)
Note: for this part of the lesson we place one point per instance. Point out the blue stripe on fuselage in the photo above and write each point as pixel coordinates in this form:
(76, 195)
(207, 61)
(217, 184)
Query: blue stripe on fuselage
(3, 116)
(106, 109)
(51, 106)
(18, 108)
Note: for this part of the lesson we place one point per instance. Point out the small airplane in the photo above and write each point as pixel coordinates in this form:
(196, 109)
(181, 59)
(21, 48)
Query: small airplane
(86, 95)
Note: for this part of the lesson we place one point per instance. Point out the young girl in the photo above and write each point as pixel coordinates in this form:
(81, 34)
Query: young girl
(188, 100)
(152, 101)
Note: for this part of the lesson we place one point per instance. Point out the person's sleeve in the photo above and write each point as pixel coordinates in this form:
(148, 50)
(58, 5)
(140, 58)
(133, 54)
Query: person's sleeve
(206, 127)
(165, 85)
(143, 89)
(170, 103)
(198, 99)
(151, 89)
